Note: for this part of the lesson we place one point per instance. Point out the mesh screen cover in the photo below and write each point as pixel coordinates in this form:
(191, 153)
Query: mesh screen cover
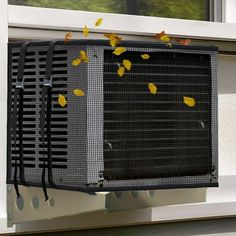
(119, 136)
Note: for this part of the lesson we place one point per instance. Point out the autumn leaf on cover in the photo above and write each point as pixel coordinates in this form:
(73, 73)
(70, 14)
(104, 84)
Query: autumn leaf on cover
(189, 101)
(159, 35)
(119, 50)
(152, 88)
(183, 41)
(114, 39)
(68, 37)
(76, 61)
(98, 22)
(163, 37)
(127, 64)
(62, 100)
(145, 56)
(85, 31)
(83, 56)
(121, 71)
(78, 92)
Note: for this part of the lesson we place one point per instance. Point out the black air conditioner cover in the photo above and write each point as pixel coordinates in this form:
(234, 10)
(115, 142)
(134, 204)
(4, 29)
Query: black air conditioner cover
(118, 136)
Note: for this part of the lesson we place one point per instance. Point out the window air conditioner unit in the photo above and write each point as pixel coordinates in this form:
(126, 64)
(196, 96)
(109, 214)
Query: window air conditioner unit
(118, 136)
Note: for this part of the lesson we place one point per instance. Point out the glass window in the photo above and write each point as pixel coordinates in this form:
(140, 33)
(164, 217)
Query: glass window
(184, 9)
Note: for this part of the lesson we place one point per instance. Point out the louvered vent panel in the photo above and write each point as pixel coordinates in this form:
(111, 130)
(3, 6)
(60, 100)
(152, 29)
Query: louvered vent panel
(153, 136)
(34, 74)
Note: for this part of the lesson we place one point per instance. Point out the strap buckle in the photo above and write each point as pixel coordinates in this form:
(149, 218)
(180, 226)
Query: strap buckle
(47, 82)
(19, 85)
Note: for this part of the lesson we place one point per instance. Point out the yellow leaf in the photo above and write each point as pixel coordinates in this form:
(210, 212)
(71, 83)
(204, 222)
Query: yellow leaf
(189, 101)
(169, 45)
(78, 92)
(127, 64)
(119, 50)
(62, 100)
(68, 37)
(85, 31)
(114, 39)
(98, 22)
(76, 62)
(121, 71)
(165, 38)
(83, 56)
(152, 88)
(145, 56)
(114, 42)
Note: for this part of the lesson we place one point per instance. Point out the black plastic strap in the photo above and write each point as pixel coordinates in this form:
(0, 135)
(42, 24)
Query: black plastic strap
(14, 125)
(18, 116)
(46, 115)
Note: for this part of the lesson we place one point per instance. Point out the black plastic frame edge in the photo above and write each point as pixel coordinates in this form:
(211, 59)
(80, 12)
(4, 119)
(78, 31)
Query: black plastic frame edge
(126, 43)
(124, 188)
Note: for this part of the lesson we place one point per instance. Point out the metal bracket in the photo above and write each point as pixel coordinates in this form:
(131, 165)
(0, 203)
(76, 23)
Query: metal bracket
(32, 207)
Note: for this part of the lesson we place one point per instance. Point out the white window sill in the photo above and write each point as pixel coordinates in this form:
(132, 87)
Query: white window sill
(57, 19)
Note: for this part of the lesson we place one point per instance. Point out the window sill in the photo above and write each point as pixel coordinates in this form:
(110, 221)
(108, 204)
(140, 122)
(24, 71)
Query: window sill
(57, 19)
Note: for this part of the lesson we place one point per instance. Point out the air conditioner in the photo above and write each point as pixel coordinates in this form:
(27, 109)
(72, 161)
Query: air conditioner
(119, 136)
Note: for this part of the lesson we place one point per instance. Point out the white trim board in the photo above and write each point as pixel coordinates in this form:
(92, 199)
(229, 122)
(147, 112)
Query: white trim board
(45, 18)
(3, 105)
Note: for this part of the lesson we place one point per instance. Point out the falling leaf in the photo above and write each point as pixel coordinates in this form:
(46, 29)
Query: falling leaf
(114, 39)
(183, 41)
(62, 100)
(145, 56)
(169, 45)
(152, 88)
(189, 101)
(76, 62)
(85, 31)
(98, 22)
(78, 92)
(127, 64)
(68, 37)
(83, 56)
(121, 71)
(158, 36)
(165, 38)
(119, 50)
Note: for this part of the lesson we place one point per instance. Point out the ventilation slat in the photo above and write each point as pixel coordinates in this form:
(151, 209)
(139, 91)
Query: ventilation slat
(158, 74)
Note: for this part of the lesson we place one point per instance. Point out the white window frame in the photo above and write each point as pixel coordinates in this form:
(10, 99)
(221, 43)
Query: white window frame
(41, 23)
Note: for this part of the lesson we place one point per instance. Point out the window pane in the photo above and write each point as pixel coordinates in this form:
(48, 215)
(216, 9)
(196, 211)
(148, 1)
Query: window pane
(184, 9)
